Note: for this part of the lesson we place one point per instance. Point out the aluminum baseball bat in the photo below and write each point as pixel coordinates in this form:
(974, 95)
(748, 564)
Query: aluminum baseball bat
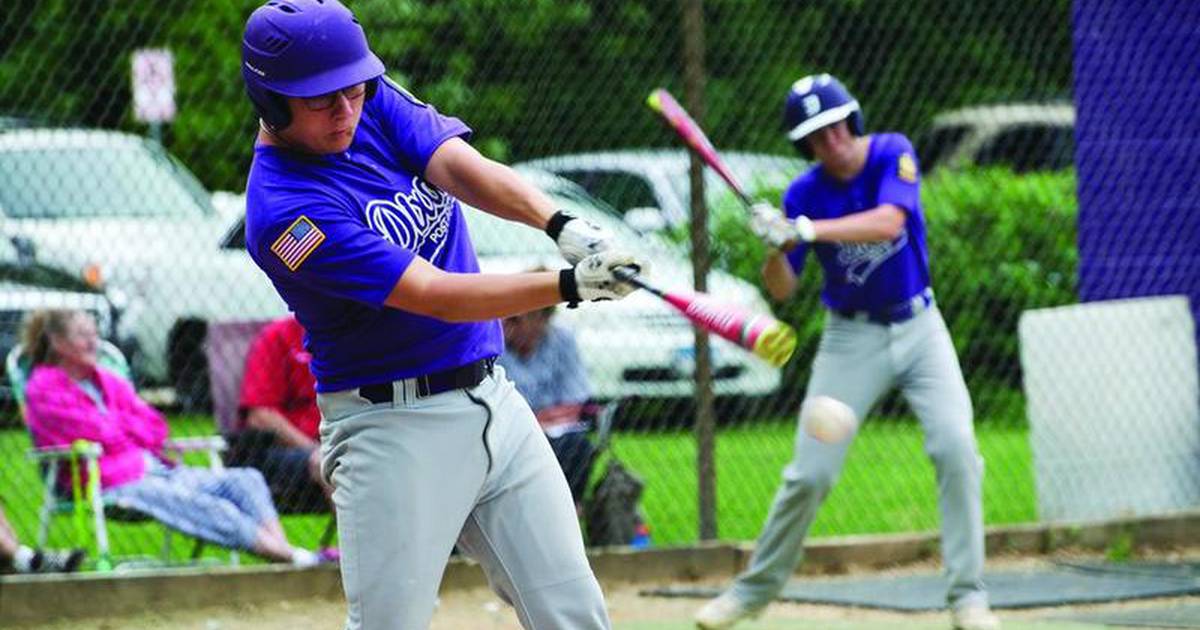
(768, 338)
(694, 137)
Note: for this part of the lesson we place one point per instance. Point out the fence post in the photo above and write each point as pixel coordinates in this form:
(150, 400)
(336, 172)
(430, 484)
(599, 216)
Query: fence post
(693, 95)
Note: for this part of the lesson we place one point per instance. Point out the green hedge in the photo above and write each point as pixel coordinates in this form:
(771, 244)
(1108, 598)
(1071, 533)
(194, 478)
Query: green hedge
(999, 243)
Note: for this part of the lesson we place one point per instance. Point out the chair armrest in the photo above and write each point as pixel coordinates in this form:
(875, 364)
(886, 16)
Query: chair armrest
(200, 443)
(214, 445)
(81, 448)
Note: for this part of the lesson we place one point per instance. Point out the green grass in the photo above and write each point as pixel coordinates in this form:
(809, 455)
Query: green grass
(886, 486)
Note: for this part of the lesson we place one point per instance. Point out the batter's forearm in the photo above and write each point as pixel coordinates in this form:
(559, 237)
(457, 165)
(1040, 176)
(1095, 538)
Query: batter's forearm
(778, 276)
(472, 297)
(882, 223)
(460, 170)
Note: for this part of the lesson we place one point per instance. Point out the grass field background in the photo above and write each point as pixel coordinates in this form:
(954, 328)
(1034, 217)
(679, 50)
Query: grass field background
(887, 485)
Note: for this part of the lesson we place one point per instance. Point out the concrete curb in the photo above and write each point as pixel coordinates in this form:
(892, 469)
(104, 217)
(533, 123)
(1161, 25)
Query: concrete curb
(36, 599)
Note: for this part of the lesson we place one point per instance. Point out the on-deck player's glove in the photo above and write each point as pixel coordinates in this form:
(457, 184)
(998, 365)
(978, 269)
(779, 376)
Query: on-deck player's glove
(577, 238)
(776, 230)
(593, 279)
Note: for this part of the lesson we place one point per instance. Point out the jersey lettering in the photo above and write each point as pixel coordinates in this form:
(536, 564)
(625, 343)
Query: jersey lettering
(862, 259)
(417, 221)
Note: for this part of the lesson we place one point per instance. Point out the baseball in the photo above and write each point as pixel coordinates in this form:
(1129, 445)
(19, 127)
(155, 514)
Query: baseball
(827, 419)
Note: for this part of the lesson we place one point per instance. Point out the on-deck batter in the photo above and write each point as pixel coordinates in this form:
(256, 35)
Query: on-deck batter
(353, 212)
(860, 209)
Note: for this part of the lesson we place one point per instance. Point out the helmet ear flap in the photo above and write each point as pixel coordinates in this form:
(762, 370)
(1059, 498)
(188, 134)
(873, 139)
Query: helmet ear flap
(271, 107)
(803, 147)
(856, 123)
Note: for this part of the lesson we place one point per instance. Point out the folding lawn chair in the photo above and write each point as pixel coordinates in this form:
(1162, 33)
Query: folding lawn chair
(84, 503)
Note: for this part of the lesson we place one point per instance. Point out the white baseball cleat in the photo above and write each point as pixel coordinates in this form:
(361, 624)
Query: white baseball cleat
(723, 612)
(974, 617)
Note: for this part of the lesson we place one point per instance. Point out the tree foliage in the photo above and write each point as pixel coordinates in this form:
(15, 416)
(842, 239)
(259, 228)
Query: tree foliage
(537, 77)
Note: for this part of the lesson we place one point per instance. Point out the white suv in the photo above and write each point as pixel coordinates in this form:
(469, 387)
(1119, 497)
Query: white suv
(1022, 136)
(120, 212)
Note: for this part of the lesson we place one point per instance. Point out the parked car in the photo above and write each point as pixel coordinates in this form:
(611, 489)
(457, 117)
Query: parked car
(123, 214)
(650, 188)
(1022, 136)
(636, 347)
(26, 286)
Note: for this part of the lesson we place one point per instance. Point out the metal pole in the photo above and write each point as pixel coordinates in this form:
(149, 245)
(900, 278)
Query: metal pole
(693, 95)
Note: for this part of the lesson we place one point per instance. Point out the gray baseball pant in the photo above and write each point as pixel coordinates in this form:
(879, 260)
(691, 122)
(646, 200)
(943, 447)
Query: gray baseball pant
(414, 477)
(856, 363)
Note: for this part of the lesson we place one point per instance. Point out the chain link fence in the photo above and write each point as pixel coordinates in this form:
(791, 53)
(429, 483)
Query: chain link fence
(125, 139)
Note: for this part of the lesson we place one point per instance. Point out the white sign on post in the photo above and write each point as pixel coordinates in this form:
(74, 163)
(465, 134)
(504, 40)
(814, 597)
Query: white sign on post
(153, 85)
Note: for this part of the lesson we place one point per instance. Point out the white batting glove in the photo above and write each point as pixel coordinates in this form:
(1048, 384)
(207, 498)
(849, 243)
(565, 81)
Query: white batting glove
(577, 238)
(594, 278)
(776, 230)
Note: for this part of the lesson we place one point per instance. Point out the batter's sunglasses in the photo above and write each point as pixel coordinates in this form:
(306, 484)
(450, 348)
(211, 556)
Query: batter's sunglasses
(325, 101)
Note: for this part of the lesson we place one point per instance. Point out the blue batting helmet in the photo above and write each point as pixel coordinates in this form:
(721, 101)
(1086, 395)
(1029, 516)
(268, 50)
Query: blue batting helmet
(818, 101)
(303, 48)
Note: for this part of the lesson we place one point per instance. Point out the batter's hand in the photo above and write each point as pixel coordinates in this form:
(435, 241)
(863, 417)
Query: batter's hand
(776, 230)
(577, 238)
(592, 279)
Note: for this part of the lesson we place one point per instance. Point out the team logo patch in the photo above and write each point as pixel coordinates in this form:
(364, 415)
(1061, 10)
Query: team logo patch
(812, 105)
(907, 168)
(297, 242)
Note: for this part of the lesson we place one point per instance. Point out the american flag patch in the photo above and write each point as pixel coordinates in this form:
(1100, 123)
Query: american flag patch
(297, 242)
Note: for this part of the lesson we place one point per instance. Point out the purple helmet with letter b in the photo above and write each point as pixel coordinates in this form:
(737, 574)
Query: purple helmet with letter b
(303, 48)
(817, 101)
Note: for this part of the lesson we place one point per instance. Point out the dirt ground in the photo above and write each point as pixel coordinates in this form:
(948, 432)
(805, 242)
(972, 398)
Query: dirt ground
(479, 609)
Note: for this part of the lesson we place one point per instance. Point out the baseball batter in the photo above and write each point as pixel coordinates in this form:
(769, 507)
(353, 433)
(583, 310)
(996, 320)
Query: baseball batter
(353, 212)
(859, 210)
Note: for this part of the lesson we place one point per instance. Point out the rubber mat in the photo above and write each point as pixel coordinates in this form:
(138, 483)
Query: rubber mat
(1013, 589)
(1168, 616)
(1178, 570)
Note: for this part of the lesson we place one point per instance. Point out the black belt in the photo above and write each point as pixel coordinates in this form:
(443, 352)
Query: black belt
(462, 377)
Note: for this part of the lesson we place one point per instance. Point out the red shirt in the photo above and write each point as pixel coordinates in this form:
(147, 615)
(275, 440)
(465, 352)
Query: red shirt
(277, 376)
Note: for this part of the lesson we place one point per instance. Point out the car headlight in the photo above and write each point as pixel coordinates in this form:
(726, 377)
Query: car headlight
(92, 275)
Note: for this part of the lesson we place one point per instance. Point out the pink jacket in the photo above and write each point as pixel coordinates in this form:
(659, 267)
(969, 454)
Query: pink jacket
(59, 412)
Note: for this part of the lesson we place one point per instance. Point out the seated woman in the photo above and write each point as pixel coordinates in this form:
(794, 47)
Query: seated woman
(69, 397)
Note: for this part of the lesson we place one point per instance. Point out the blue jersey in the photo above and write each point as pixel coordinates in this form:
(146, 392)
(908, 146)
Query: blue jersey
(866, 276)
(335, 232)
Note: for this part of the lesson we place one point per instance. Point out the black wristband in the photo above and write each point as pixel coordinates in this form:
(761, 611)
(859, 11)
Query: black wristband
(568, 288)
(555, 226)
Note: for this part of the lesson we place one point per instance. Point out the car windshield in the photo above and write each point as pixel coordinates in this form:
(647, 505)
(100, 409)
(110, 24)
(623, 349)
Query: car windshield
(78, 182)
